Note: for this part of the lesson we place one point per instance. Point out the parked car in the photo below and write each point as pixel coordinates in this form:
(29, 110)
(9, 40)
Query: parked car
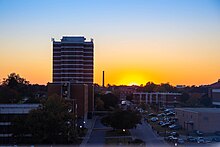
(199, 133)
(171, 139)
(200, 140)
(168, 110)
(217, 133)
(180, 141)
(191, 139)
(175, 134)
(216, 139)
(152, 114)
(170, 113)
(175, 127)
(166, 119)
(160, 123)
(172, 122)
(208, 140)
(161, 114)
(166, 124)
(154, 119)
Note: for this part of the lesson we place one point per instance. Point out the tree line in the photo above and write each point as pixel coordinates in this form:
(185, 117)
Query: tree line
(15, 89)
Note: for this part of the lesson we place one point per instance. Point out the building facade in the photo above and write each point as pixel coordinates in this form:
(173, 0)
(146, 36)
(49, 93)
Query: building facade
(78, 96)
(8, 113)
(215, 95)
(73, 60)
(160, 98)
(73, 73)
(206, 120)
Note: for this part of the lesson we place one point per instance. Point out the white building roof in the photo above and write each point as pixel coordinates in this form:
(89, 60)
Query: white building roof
(200, 110)
(17, 108)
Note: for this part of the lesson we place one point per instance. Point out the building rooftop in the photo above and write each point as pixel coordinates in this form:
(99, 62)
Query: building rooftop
(73, 39)
(199, 110)
(162, 93)
(17, 108)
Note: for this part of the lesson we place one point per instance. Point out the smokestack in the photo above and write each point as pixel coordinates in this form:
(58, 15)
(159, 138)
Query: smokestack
(103, 78)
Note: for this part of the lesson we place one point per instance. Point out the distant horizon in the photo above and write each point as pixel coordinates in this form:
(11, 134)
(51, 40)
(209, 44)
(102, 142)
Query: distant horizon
(134, 41)
(112, 84)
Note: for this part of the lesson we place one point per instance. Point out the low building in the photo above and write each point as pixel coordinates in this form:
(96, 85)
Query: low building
(202, 119)
(8, 112)
(161, 98)
(215, 95)
(77, 93)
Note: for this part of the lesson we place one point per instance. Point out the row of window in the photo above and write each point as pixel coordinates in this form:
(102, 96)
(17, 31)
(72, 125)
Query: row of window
(69, 58)
(72, 62)
(57, 79)
(67, 66)
(72, 71)
(57, 54)
(73, 75)
(72, 49)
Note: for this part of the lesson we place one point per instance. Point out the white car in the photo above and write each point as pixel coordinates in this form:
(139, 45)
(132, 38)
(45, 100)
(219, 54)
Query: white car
(200, 140)
(154, 119)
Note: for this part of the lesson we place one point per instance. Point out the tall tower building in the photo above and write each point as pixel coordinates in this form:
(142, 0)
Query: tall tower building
(73, 60)
(73, 73)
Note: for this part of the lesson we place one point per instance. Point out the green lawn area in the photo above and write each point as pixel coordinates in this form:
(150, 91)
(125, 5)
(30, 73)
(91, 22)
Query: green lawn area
(82, 132)
(116, 141)
(117, 133)
(119, 137)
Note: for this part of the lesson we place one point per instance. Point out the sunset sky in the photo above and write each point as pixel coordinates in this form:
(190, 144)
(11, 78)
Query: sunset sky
(136, 41)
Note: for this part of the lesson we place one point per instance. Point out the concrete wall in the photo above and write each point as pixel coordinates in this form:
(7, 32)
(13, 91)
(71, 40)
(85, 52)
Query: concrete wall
(78, 92)
(208, 122)
(185, 117)
(90, 97)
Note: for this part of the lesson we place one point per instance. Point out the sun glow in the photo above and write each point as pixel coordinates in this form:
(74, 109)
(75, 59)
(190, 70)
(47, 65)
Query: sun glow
(133, 83)
(133, 79)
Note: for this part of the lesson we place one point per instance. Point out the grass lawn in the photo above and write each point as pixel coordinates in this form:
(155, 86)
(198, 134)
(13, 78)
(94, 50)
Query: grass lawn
(82, 132)
(117, 133)
(116, 141)
(113, 133)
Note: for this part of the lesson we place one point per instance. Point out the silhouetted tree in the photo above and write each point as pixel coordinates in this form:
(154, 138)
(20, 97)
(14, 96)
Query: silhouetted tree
(129, 97)
(50, 123)
(99, 104)
(167, 87)
(110, 101)
(205, 100)
(15, 88)
(14, 81)
(184, 97)
(19, 128)
(150, 87)
(143, 106)
(8, 95)
(122, 119)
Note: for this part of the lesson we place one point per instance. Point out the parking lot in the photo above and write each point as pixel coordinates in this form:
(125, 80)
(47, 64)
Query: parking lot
(165, 124)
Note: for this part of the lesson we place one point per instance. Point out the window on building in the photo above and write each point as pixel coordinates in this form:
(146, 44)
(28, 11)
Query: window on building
(206, 118)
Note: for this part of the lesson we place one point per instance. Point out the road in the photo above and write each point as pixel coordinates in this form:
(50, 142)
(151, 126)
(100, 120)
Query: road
(97, 137)
(144, 132)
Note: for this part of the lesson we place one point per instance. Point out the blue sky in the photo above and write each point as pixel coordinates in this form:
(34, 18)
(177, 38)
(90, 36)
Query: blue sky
(173, 30)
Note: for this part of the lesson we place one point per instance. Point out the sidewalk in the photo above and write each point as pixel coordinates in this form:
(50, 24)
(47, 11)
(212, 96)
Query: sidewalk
(90, 125)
